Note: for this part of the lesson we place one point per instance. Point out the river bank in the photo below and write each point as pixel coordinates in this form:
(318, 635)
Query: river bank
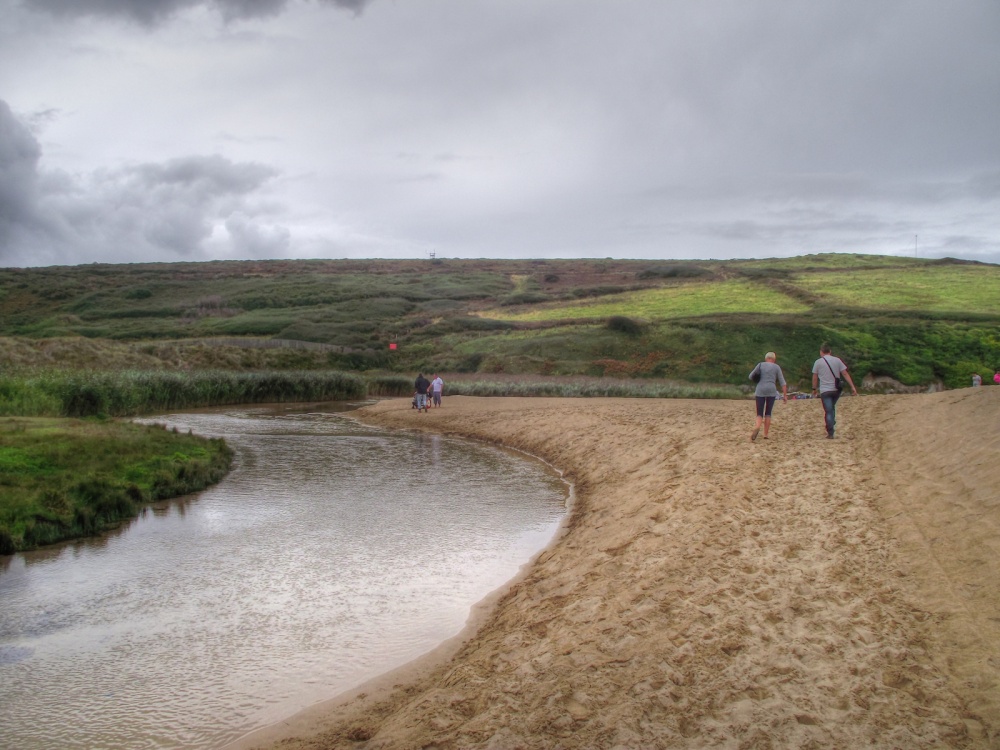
(711, 591)
(64, 479)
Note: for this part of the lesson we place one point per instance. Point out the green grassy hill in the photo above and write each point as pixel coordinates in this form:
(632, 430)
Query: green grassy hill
(915, 321)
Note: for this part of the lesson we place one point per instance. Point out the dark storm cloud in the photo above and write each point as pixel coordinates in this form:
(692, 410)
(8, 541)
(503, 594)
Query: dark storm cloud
(19, 155)
(137, 212)
(153, 12)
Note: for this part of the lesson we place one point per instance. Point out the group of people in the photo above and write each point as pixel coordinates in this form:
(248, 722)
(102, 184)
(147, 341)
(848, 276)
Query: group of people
(827, 372)
(428, 392)
(977, 379)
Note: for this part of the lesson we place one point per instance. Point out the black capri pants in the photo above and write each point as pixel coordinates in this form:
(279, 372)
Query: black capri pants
(764, 405)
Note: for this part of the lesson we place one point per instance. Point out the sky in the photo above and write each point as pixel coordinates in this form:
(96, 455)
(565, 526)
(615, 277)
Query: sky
(188, 130)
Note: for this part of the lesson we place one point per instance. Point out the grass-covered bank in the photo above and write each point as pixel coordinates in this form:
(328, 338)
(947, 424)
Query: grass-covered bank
(66, 478)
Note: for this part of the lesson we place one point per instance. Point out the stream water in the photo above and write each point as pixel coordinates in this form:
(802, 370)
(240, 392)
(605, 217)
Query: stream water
(332, 553)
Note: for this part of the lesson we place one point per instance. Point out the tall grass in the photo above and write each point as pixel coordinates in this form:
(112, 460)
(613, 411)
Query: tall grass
(385, 386)
(616, 390)
(583, 387)
(130, 393)
(122, 394)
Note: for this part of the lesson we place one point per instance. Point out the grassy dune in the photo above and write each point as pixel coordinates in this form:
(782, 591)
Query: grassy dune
(919, 322)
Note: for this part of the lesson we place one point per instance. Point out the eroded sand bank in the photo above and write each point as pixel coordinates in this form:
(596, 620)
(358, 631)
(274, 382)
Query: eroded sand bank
(713, 592)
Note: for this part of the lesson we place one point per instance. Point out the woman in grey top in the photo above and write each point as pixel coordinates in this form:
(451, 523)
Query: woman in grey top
(767, 391)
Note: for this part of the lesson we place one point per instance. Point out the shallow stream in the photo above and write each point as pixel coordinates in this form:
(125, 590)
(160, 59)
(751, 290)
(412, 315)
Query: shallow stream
(332, 553)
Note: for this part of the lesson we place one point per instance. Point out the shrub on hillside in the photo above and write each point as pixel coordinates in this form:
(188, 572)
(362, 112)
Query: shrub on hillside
(475, 323)
(766, 273)
(524, 298)
(623, 324)
(673, 272)
(596, 291)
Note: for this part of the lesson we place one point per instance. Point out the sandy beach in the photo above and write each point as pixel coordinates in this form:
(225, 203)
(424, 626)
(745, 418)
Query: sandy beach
(710, 591)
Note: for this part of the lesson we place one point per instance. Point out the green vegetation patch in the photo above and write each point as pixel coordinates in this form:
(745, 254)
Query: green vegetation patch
(917, 321)
(118, 394)
(939, 289)
(63, 478)
(828, 262)
(680, 301)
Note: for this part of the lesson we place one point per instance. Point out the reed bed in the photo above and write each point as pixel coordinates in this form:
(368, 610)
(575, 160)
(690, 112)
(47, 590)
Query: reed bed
(595, 389)
(128, 393)
(387, 386)
(554, 386)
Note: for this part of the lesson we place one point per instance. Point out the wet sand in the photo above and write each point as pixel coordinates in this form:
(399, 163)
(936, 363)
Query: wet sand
(710, 591)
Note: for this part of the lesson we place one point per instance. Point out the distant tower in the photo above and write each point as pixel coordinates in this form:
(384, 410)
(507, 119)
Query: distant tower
(431, 253)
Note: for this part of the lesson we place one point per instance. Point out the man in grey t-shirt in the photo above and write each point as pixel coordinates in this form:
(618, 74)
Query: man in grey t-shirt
(826, 374)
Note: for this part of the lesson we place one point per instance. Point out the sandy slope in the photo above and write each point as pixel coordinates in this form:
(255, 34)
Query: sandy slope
(713, 592)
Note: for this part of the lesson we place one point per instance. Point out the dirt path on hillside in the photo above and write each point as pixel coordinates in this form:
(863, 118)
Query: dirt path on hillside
(712, 592)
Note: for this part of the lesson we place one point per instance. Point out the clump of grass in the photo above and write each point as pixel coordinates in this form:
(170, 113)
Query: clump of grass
(623, 324)
(64, 479)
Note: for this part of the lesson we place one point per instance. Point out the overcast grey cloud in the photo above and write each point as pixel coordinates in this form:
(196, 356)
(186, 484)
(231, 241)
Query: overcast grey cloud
(153, 12)
(638, 128)
(163, 211)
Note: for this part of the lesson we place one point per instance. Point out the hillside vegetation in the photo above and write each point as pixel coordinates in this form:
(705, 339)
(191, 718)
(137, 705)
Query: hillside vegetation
(919, 322)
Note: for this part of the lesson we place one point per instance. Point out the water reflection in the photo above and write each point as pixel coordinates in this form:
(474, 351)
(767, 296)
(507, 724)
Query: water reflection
(333, 552)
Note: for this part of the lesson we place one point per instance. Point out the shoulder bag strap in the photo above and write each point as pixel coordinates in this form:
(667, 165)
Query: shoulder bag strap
(830, 368)
(836, 377)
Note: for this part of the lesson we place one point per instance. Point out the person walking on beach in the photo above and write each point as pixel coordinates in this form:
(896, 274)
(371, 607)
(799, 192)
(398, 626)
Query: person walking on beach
(767, 375)
(437, 385)
(826, 382)
(977, 380)
(421, 385)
